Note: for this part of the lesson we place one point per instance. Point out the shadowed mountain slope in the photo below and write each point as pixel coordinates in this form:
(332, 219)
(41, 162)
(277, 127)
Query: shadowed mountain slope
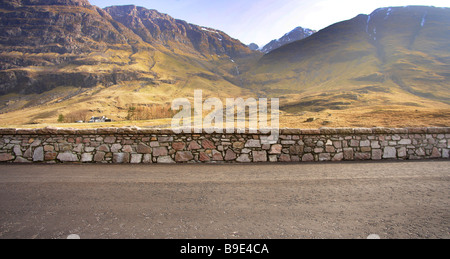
(405, 48)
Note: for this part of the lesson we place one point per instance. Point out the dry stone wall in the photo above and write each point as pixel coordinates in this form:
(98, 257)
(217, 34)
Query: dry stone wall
(147, 146)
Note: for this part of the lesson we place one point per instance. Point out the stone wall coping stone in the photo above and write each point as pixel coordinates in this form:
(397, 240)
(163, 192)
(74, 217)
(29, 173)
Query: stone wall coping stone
(309, 131)
(417, 130)
(25, 131)
(106, 131)
(284, 131)
(86, 131)
(7, 131)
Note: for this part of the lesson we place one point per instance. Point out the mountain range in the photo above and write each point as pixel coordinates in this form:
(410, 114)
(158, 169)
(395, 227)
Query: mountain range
(58, 56)
(51, 43)
(393, 51)
(296, 34)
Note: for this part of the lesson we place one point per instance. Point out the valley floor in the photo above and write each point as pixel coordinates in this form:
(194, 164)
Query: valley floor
(395, 118)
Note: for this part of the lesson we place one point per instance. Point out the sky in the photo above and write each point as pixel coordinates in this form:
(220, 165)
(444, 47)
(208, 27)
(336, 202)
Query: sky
(260, 21)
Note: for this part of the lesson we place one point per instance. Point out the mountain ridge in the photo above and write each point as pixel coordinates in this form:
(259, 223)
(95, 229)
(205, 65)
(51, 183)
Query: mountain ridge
(152, 26)
(376, 35)
(392, 58)
(51, 43)
(296, 34)
(57, 56)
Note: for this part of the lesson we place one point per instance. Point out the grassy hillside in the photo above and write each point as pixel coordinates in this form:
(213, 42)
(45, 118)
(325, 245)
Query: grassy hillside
(390, 68)
(395, 58)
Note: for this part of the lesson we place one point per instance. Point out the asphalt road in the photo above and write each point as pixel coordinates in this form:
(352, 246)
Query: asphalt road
(330, 200)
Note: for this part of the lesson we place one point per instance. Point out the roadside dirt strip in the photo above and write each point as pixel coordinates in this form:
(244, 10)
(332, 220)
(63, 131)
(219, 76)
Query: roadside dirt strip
(319, 200)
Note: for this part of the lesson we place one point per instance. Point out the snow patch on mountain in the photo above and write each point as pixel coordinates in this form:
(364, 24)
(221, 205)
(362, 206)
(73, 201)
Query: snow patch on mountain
(388, 13)
(209, 30)
(368, 22)
(424, 19)
(296, 34)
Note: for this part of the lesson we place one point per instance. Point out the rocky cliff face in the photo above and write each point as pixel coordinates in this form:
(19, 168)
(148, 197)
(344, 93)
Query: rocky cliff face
(40, 39)
(157, 28)
(59, 28)
(49, 43)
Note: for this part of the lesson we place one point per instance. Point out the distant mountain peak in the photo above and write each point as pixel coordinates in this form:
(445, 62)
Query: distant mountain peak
(253, 46)
(300, 29)
(296, 34)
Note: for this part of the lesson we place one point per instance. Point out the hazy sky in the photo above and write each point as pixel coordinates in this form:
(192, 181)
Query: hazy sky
(261, 21)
